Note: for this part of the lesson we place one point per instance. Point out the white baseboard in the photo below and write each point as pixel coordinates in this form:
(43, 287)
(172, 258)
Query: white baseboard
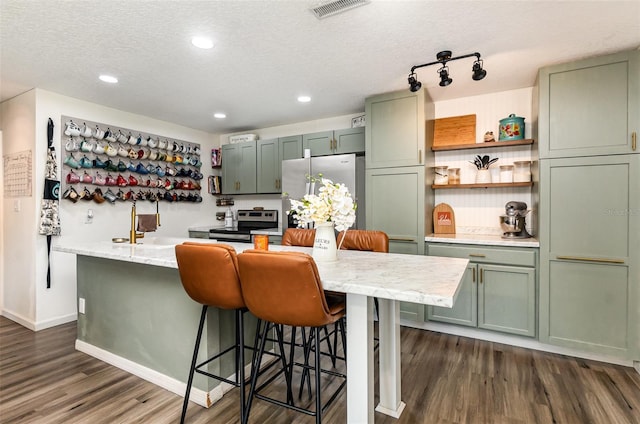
(515, 341)
(37, 326)
(41, 325)
(17, 318)
(636, 365)
(198, 396)
(201, 397)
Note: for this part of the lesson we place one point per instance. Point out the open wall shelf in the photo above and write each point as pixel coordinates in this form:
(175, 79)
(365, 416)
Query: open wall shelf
(442, 148)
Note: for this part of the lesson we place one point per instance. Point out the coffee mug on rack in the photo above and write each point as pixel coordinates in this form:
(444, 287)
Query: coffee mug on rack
(86, 146)
(98, 134)
(71, 162)
(86, 131)
(99, 147)
(85, 162)
(71, 145)
(132, 140)
(162, 144)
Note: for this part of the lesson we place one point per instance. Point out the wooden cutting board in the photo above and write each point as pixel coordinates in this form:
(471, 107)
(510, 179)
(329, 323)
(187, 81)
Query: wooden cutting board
(444, 220)
(455, 130)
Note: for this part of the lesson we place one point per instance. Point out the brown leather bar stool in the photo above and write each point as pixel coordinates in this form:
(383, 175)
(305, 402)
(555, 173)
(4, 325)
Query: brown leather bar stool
(209, 275)
(284, 288)
(305, 238)
(298, 237)
(369, 240)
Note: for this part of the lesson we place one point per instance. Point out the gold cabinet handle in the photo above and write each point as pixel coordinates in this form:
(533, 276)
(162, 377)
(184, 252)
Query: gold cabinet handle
(473, 277)
(634, 140)
(401, 239)
(586, 259)
(481, 275)
(420, 156)
(335, 144)
(477, 255)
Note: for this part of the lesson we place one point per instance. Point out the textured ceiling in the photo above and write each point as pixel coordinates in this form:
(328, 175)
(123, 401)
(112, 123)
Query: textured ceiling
(269, 52)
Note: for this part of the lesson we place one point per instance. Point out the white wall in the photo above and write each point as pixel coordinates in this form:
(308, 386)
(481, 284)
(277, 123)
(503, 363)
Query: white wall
(38, 307)
(17, 119)
(1, 227)
(477, 210)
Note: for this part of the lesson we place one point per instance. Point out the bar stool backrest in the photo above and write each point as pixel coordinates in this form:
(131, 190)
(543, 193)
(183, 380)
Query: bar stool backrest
(369, 240)
(298, 237)
(209, 274)
(284, 288)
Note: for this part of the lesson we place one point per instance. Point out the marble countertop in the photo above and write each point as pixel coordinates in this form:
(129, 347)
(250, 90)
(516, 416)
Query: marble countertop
(481, 239)
(420, 279)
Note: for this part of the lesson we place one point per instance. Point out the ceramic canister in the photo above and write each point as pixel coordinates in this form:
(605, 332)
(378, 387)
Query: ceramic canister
(511, 128)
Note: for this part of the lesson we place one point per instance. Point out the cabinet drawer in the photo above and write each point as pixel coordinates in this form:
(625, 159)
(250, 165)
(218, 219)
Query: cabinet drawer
(508, 256)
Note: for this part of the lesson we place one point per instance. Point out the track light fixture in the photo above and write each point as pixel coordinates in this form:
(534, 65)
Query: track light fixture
(442, 58)
(414, 83)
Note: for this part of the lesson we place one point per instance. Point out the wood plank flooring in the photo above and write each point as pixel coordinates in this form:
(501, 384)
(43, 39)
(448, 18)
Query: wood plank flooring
(446, 379)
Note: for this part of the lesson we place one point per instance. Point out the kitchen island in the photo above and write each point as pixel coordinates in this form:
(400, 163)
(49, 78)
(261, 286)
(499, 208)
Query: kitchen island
(138, 317)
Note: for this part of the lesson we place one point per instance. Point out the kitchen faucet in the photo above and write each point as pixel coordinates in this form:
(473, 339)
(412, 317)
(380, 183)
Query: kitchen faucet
(134, 235)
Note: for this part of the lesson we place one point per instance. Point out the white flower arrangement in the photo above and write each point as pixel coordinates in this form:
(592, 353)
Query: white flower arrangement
(333, 203)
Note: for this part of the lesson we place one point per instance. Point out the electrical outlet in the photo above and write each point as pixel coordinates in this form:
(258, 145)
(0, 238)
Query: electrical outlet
(81, 305)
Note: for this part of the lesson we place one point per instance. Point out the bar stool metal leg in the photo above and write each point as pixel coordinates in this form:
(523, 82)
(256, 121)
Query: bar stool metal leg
(192, 370)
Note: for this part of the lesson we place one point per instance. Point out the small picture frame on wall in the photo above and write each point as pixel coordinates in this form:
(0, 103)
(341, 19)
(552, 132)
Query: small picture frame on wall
(358, 121)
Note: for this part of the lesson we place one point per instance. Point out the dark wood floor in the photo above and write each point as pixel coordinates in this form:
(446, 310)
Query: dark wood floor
(446, 379)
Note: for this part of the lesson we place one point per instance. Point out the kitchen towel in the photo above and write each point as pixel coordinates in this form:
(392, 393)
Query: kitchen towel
(147, 223)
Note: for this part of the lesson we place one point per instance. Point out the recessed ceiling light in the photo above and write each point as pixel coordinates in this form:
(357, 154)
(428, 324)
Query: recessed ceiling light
(304, 99)
(202, 42)
(108, 78)
(219, 115)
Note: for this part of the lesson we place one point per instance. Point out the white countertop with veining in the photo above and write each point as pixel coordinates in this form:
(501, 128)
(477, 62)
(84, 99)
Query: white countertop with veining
(421, 279)
(482, 239)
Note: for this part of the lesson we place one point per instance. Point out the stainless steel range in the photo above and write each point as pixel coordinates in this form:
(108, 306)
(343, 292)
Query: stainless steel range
(248, 220)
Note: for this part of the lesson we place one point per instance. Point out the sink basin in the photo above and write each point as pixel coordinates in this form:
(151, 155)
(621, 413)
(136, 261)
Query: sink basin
(168, 241)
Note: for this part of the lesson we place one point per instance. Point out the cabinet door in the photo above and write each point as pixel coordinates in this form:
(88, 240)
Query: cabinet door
(320, 143)
(589, 244)
(350, 140)
(395, 204)
(290, 148)
(465, 308)
(395, 132)
(412, 312)
(590, 107)
(507, 299)
(230, 164)
(247, 168)
(268, 166)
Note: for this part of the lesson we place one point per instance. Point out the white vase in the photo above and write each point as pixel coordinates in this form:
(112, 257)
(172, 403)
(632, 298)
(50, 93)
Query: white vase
(483, 176)
(324, 245)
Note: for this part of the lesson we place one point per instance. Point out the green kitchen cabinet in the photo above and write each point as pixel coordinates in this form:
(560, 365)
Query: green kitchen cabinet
(350, 140)
(395, 204)
(239, 168)
(492, 296)
(590, 107)
(396, 128)
(269, 157)
(589, 244)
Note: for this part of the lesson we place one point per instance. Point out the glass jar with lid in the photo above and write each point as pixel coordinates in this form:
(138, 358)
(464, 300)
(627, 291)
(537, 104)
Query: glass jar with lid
(522, 171)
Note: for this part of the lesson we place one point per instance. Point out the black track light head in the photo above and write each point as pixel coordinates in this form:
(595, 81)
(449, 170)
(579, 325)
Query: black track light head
(414, 84)
(478, 72)
(444, 76)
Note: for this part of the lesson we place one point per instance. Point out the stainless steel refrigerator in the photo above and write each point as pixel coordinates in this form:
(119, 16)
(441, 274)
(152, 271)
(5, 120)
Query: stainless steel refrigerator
(345, 169)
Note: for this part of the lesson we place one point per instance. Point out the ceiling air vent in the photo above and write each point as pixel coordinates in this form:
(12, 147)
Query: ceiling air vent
(335, 7)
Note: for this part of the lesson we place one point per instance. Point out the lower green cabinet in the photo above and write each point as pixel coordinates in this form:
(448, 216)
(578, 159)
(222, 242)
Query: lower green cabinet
(492, 296)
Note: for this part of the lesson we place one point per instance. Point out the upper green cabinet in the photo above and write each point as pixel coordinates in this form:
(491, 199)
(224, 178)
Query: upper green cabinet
(590, 107)
(270, 154)
(395, 133)
(239, 168)
(336, 142)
